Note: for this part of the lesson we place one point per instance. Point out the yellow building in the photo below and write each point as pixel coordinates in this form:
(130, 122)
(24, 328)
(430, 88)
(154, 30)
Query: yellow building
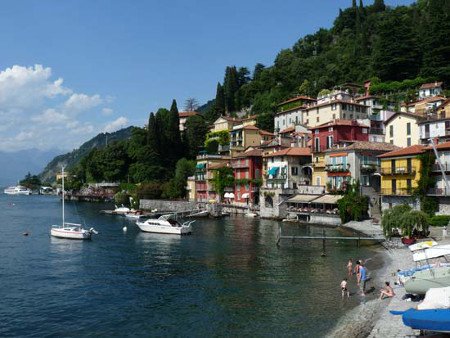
(402, 129)
(319, 175)
(400, 174)
(242, 137)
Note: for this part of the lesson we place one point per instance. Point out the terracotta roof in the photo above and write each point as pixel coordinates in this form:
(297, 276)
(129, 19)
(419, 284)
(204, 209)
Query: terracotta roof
(365, 145)
(294, 151)
(441, 146)
(287, 130)
(298, 98)
(187, 113)
(340, 122)
(250, 127)
(217, 165)
(366, 97)
(413, 150)
(434, 99)
(431, 85)
(265, 132)
(418, 117)
(251, 153)
(229, 118)
(329, 103)
(303, 106)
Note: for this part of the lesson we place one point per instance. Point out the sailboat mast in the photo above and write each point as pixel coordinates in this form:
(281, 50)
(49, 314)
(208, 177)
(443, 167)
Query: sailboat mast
(62, 175)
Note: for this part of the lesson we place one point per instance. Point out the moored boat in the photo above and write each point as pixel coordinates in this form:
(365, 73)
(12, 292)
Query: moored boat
(17, 190)
(165, 224)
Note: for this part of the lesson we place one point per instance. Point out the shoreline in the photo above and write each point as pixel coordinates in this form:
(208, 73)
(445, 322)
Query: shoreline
(372, 317)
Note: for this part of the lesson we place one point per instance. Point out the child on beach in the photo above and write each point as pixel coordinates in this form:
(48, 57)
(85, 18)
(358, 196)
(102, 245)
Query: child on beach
(387, 291)
(350, 267)
(344, 288)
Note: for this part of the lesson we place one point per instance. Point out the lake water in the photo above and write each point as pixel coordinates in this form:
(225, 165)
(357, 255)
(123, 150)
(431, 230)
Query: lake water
(228, 279)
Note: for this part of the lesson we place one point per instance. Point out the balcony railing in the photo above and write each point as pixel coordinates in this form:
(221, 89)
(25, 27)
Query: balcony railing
(223, 148)
(398, 171)
(239, 164)
(375, 117)
(376, 131)
(439, 192)
(369, 167)
(445, 166)
(397, 192)
(336, 168)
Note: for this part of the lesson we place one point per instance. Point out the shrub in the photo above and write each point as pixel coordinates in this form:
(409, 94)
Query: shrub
(439, 220)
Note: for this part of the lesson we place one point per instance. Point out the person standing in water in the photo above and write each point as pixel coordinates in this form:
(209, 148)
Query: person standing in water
(362, 278)
(344, 288)
(356, 271)
(350, 267)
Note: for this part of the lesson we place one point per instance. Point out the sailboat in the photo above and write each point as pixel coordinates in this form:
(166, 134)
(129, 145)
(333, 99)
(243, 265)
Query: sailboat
(70, 230)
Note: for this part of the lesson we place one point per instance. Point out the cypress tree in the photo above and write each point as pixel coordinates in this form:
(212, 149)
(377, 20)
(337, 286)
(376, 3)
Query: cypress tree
(153, 139)
(230, 86)
(173, 133)
(379, 6)
(219, 105)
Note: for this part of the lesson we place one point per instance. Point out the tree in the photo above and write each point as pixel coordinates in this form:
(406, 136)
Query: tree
(191, 104)
(195, 134)
(230, 87)
(174, 145)
(391, 218)
(219, 106)
(353, 206)
(223, 177)
(379, 6)
(176, 188)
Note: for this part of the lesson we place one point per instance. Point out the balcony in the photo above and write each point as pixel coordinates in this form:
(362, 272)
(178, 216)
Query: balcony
(319, 164)
(337, 168)
(445, 166)
(398, 171)
(223, 148)
(438, 192)
(375, 117)
(376, 131)
(369, 167)
(397, 192)
(240, 164)
(276, 180)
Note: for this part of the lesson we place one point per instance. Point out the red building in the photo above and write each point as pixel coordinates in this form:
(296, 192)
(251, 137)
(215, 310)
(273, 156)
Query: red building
(247, 168)
(337, 131)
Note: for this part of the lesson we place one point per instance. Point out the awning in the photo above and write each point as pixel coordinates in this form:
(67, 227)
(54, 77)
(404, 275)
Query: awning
(302, 198)
(246, 195)
(273, 170)
(228, 195)
(328, 199)
(200, 165)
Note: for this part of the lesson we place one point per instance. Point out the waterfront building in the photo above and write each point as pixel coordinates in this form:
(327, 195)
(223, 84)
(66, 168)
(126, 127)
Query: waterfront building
(400, 174)
(402, 129)
(183, 116)
(290, 112)
(430, 89)
(206, 164)
(337, 105)
(190, 189)
(436, 126)
(247, 168)
(325, 136)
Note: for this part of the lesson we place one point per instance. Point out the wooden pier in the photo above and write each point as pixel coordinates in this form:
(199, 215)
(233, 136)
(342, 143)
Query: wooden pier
(325, 238)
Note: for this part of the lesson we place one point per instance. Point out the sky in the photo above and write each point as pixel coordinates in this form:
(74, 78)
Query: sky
(72, 69)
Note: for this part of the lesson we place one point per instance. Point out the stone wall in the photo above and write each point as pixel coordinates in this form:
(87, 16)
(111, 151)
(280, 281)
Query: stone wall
(164, 205)
(444, 206)
(332, 220)
(276, 209)
(397, 200)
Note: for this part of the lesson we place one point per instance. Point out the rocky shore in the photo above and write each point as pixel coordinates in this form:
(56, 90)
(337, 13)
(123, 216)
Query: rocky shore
(372, 317)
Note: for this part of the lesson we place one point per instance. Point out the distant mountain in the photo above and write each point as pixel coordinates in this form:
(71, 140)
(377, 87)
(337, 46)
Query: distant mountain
(16, 165)
(72, 158)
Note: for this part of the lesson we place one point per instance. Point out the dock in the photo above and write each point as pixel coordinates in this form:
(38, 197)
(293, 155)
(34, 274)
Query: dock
(325, 238)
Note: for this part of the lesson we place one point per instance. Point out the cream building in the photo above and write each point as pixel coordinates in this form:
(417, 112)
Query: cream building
(402, 129)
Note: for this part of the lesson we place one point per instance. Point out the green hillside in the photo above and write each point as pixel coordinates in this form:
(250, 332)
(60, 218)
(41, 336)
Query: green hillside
(73, 158)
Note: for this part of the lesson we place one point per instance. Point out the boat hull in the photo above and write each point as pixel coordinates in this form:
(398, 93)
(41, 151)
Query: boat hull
(70, 234)
(437, 320)
(162, 229)
(422, 281)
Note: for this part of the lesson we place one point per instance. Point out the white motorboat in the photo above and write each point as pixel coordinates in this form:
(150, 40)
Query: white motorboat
(70, 230)
(133, 215)
(165, 225)
(122, 210)
(17, 190)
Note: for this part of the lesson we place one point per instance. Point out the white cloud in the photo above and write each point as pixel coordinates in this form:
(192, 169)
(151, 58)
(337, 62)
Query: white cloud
(116, 124)
(38, 111)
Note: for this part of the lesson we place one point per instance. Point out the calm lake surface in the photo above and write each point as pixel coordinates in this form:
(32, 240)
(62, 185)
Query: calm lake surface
(227, 279)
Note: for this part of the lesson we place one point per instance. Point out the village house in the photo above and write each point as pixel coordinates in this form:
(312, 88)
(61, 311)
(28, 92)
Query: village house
(242, 137)
(325, 136)
(400, 174)
(204, 174)
(402, 129)
(290, 112)
(437, 125)
(430, 89)
(337, 105)
(247, 168)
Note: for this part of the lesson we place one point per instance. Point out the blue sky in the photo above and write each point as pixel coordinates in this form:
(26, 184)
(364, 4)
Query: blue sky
(76, 68)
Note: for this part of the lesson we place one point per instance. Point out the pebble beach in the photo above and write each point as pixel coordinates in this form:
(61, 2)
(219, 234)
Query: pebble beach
(372, 317)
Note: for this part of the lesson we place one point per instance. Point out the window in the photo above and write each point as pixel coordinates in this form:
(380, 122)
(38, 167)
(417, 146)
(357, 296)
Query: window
(364, 130)
(294, 171)
(316, 131)
(334, 116)
(365, 180)
(330, 129)
(343, 116)
(408, 184)
(391, 141)
(317, 144)
(408, 142)
(318, 181)
(351, 116)
(317, 118)
(329, 142)
(296, 120)
(391, 131)
(408, 128)
(333, 106)
(344, 106)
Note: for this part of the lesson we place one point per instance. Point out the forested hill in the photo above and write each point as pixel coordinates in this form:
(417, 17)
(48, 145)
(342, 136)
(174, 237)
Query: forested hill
(73, 158)
(365, 41)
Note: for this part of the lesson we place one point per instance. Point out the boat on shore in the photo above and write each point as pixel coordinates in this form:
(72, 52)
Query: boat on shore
(17, 190)
(165, 224)
(70, 230)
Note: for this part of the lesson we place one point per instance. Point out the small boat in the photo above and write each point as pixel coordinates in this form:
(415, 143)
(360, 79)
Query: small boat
(165, 224)
(433, 274)
(17, 190)
(70, 230)
(433, 314)
(133, 215)
(198, 214)
(122, 210)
